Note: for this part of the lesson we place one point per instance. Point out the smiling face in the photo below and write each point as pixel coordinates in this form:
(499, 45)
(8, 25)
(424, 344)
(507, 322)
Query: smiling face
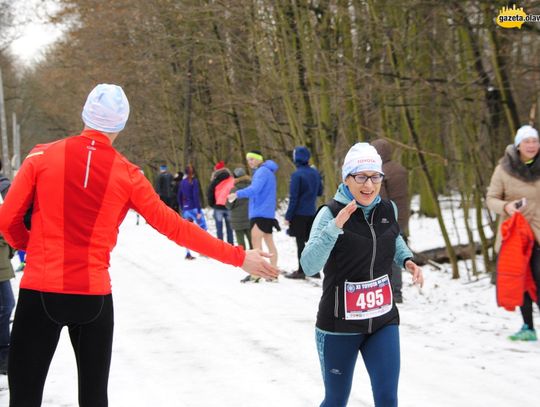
(363, 193)
(528, 148)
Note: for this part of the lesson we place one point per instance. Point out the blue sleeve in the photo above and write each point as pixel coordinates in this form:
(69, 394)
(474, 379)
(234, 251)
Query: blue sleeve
(402, 250)
(294, 190)
(259, 179)
(179, 195)
(322, 239)
(196, 199)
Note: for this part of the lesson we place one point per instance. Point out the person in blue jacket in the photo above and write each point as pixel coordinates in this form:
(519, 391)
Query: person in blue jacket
(189, 202)
(355, 237)
(262, 204)
(304, 188)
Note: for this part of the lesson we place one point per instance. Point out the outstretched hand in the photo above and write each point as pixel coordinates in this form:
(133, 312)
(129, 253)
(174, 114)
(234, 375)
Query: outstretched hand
(344, 214)
(417, 276)
(256, 264)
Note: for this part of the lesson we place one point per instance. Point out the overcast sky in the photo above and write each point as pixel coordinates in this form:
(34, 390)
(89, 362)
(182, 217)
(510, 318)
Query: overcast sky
(32, 32)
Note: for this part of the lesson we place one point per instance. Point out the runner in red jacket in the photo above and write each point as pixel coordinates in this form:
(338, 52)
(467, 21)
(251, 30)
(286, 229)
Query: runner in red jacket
(81, 189)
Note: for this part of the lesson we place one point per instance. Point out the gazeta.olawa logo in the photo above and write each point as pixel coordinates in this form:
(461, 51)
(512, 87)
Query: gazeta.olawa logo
(515, 17)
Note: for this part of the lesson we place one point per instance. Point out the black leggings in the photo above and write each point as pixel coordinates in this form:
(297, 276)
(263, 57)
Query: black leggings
(39, 318)
(527, 307)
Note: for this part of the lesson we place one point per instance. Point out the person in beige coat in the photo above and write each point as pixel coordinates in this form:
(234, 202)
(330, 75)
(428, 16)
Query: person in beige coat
(515, 186)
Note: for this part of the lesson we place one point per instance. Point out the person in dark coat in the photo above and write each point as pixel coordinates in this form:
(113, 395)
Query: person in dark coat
(239, 209)
(164, 186)
(177, 179)
(304, 188)
(7, 299)
(395, 187)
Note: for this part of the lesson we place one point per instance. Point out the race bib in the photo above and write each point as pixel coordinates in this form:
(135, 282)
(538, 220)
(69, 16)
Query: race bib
(368, 299)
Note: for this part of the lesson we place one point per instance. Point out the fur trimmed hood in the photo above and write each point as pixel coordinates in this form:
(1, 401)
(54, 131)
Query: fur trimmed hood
(513, 165)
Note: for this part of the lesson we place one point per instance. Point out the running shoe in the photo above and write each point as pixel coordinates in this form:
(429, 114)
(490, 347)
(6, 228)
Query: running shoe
(250, 279)
(524, 334)
(296, 275)
(190, 257)
(21, 267)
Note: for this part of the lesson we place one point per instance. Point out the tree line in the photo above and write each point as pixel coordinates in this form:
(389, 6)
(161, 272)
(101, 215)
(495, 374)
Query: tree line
(208, 80)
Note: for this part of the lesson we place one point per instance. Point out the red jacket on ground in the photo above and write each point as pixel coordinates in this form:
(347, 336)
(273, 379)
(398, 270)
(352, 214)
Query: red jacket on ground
(513, 265)
(81, 189)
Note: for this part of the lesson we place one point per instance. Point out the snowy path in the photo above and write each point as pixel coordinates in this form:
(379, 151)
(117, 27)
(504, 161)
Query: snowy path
(189, 334)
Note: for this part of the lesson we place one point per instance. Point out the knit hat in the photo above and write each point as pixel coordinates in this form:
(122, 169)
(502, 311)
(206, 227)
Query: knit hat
(219, 165)
(239, 172)
(361, 157)
(106, 109)
(523, 133)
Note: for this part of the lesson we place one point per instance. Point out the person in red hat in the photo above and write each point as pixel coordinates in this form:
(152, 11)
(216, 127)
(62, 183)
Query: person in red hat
(221, 184)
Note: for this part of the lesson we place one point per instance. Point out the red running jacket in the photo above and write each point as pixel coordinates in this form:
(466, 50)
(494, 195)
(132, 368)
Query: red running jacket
(81, 189)
(514, 275)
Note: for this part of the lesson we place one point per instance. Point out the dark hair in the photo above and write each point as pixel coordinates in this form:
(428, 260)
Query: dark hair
(1, 165)
(255, 152)
(190, 172)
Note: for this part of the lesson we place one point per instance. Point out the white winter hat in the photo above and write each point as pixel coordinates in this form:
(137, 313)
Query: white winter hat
(361, 157)
(523, 133)
(106, 108)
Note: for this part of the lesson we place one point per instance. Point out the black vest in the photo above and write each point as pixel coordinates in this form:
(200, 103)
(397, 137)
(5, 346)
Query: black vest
(363, 252)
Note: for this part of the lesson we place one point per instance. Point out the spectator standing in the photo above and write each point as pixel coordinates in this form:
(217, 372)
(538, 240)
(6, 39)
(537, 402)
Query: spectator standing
(395, 187)
(7, 299)
(516, 177)
(164, 186)
(239, 209)
(221, 183)
(177, 179)
(190, 203)
(262, 204)
(304, 188)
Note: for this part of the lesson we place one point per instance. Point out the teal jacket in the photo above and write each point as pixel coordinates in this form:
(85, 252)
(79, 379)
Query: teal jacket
(324, 234)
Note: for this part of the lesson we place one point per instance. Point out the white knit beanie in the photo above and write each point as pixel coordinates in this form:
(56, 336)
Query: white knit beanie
(523, 133)
(106, 108)
(361, 157)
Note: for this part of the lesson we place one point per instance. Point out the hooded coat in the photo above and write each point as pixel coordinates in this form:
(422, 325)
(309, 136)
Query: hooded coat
(512, 180)
(305, 186)
(395, 185)
(262, 192)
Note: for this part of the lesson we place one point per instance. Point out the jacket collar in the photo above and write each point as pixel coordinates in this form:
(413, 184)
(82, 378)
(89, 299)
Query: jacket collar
(96, 135)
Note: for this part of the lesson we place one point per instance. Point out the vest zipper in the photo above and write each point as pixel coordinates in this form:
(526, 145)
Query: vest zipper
(88, 161)
(370, 224)
(336, 302)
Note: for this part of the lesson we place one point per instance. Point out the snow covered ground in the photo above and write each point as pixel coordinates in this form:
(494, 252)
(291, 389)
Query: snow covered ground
(187, 333)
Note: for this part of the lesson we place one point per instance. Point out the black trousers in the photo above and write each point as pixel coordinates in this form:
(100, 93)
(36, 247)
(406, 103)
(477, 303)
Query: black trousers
(39, 318)
(300, 228)
(527, 307)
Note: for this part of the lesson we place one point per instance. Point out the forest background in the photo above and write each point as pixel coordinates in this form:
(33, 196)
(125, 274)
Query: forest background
(208, 80)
